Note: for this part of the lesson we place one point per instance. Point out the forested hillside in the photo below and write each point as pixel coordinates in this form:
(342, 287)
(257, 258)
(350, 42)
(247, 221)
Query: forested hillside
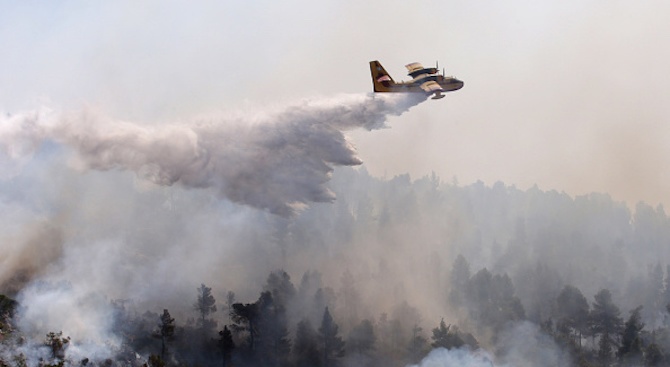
(391, 270)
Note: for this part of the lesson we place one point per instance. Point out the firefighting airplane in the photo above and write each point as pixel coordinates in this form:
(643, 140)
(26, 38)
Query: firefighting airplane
(426, 80)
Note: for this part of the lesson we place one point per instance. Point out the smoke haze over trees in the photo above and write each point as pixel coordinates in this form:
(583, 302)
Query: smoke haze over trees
(170, 196)
(390, 270)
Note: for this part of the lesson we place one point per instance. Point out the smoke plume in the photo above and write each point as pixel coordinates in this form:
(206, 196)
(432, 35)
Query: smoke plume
(27, 254)
(521, 344)
(278, 161)
(69, 249)
(441, 357)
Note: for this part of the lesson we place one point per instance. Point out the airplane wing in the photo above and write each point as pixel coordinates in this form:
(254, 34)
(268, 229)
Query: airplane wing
(415, 70)
(431, 86)
(413, 67)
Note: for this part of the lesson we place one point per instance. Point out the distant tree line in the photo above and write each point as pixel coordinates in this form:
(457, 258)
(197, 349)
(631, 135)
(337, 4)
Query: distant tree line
(260, 333)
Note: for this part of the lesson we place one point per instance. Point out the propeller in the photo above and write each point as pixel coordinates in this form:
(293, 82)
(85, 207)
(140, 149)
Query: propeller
(437, 68)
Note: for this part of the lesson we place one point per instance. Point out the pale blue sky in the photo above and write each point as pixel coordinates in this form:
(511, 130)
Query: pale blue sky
(569, 95)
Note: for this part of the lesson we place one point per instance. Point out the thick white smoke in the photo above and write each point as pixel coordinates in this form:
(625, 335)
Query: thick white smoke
(521, 344)
(278, 161)
(68, 251)
(441, 357)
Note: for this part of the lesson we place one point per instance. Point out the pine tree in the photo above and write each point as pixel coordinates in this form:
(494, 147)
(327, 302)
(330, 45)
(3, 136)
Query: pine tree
(606, 323)
(205, 305)
(361, 338)
(282, 289)
(226, 344)
(630, 350)
(273, 344)
(332, 344)
(265, 322)
(446, 337)
(417, 345)
(305, 346)
(573, 313)
(166, 329)
(449, 337)
(491, 300)
(245, 317)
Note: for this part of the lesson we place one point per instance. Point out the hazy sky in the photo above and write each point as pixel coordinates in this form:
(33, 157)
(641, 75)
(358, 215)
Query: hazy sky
(568, 95)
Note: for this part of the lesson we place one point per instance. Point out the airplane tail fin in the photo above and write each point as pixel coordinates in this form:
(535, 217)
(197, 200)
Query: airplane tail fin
(381, 80)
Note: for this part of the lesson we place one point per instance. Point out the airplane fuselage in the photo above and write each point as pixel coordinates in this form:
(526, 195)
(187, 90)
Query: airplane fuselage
(424, 80)
(448, 84)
